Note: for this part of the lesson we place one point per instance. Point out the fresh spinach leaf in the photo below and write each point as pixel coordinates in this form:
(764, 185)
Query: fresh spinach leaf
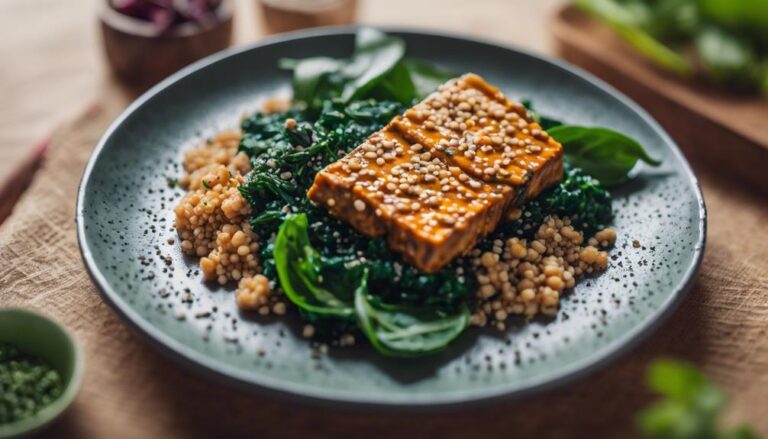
(426, 77)
(396, 86)
(405, 331)
(377, 69)
(376, 54)
(604, 154)
(300, 271)
(308, 75)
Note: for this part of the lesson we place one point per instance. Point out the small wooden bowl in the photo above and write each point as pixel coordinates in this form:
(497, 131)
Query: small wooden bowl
(284, 16)
(139, 55)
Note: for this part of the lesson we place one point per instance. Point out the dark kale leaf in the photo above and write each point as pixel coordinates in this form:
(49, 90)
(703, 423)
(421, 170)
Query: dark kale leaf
(286, 157)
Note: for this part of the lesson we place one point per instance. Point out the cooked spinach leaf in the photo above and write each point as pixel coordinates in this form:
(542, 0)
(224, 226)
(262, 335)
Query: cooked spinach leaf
(319, 260)
(286, 157)
(578, 196)
(604, 154)
(405, 331)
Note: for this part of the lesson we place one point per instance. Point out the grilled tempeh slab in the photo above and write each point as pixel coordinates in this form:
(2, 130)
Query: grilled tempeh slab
(440, 177)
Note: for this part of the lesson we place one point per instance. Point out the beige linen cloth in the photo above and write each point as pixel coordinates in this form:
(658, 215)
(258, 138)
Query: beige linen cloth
(130, 390)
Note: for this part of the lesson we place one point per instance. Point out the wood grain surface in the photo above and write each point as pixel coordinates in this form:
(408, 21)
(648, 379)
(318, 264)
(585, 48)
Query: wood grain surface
(130, 390)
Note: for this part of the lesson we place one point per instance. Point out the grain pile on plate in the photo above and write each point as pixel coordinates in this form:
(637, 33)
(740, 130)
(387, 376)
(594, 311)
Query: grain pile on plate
(527, 277)
(212, 220)
(436, 180)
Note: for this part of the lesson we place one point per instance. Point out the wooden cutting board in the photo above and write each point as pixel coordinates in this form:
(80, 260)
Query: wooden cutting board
(727, 129)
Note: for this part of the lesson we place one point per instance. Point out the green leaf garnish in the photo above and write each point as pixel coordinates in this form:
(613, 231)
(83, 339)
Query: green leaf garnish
(404, 331)
(377, 69)
(426, 77)
(604, 154)
(300, 271)
(376, 54)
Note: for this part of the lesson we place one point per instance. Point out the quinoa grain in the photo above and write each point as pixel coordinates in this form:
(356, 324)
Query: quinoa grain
(530, 276)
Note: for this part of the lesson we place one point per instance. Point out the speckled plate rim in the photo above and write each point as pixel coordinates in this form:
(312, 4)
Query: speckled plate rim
(299, 392)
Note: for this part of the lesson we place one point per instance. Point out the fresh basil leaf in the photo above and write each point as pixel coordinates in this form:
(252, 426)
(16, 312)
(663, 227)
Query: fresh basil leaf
(300, 271)
(426, 77)
(604, 154)
(405, 331)
(376, 54)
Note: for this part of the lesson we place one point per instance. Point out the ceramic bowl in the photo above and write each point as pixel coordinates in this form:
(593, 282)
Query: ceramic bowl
(40, 336)
(139, 55)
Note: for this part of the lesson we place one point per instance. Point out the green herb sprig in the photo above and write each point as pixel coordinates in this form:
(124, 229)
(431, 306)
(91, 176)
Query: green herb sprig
(689, 408)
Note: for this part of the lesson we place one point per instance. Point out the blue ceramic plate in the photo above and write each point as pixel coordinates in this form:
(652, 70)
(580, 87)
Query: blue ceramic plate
(124, 220)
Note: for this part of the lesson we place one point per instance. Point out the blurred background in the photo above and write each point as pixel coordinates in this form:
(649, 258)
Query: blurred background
(699, 66)
(54, 62)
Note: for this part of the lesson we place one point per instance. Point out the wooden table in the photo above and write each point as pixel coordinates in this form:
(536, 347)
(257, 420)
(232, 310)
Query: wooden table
(130, 390)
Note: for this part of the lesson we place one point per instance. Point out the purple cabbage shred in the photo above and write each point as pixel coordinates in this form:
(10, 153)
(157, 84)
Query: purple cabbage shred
(166, 14)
